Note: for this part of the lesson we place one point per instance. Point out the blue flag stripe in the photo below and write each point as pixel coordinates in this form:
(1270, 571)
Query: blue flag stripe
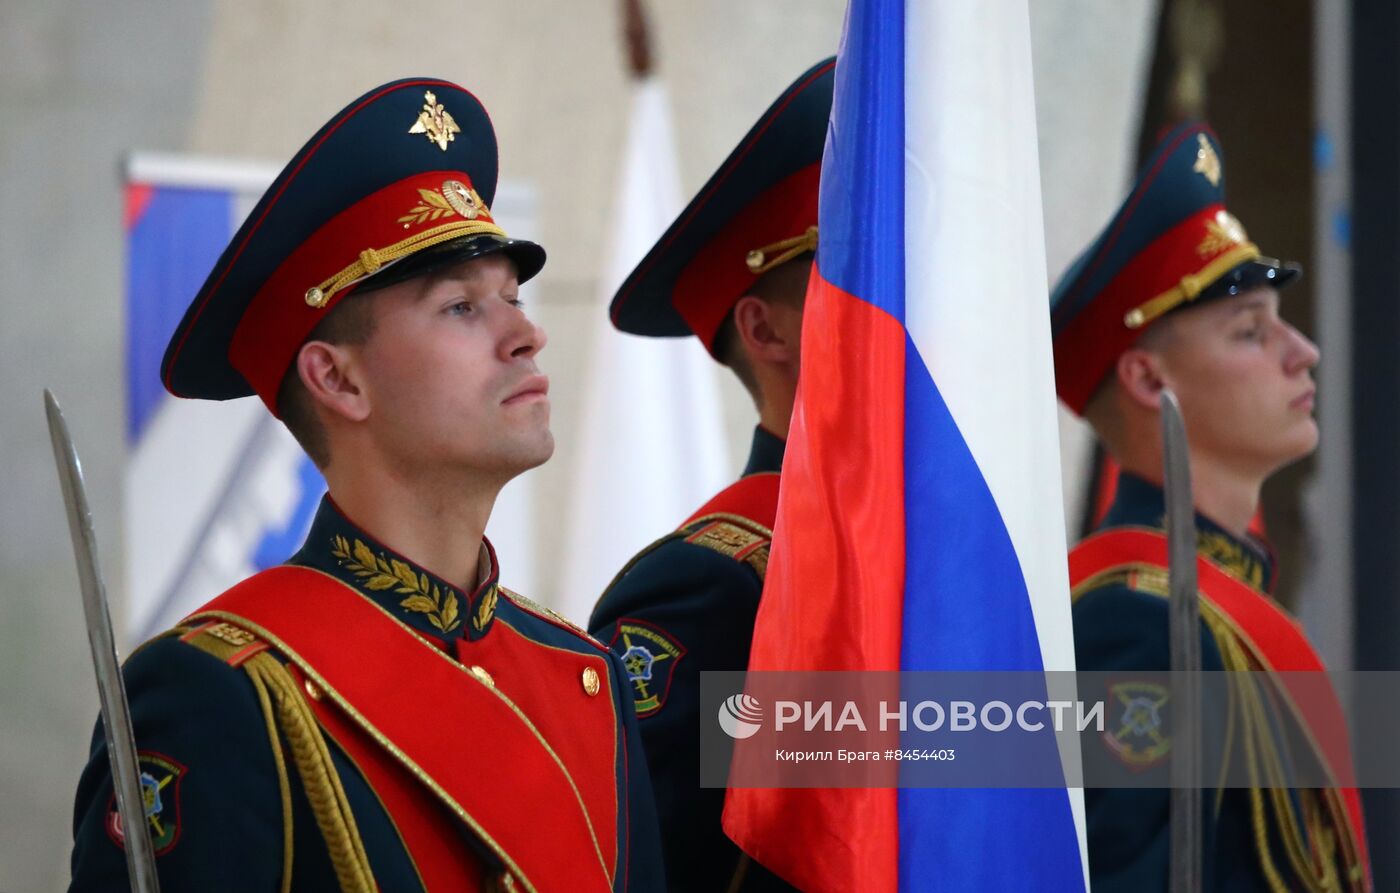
(861, 248)
(966, 608)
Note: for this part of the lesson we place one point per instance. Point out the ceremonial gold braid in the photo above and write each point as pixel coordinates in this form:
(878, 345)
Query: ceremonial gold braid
(318, 776)
(1316, 865)
(761, 260)
(284, 787)
(1315, 874)
(1260, 822)
(1318, 871)
(1324, 839)
(1335, 807)
(1190, 286)
(371, 260)
(1231, 706)
(1255, 727)
(1289, 823)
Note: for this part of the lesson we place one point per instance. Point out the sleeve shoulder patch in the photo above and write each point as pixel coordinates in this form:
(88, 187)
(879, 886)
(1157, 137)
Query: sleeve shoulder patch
(733, 536)
(649, 656)
(160, 802)
(1138, 735)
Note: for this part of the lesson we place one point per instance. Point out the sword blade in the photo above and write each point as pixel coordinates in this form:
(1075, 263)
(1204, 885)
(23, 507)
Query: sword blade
(116, 715)
(1184, 618)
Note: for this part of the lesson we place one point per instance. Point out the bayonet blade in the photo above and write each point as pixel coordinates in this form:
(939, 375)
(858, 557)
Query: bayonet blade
(116, 715)
(1184, 619)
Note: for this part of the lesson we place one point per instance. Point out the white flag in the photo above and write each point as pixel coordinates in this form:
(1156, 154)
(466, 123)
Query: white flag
(652, 448)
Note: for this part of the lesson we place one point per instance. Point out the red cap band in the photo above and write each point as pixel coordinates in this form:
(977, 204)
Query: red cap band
(718, 276)
(357, 242)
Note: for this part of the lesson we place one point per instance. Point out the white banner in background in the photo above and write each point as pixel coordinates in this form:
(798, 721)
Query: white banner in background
(652, 447)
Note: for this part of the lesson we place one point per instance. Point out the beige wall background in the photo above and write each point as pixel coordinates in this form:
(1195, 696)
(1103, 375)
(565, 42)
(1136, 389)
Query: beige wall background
(82, 82)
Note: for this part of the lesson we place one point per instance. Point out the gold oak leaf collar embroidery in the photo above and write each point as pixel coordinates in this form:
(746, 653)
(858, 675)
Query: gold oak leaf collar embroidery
(411, 594)
(438, 603)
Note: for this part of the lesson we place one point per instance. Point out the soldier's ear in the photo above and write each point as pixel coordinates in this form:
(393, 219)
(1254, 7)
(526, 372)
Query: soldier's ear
(1140, 376)
(762, 332)
(331, 376)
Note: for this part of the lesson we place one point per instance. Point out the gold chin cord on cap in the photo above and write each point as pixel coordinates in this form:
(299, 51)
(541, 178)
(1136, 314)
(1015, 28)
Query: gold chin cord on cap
(1190, 286)
(761, 260)
(372, 260)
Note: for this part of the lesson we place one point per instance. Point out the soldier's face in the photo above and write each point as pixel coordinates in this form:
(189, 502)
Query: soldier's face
(1244, 379)
(451, 375)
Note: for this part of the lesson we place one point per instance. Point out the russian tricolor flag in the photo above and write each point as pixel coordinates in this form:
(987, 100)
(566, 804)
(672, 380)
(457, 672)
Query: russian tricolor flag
(920, 523)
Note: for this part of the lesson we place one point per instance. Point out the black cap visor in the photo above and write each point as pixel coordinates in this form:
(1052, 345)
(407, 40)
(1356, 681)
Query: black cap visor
(527, 256)
(1262, 271)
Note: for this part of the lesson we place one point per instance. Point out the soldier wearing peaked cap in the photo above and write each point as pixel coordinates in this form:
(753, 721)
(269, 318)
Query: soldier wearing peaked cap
(1173, 294)
(380, 712)
(732, 271)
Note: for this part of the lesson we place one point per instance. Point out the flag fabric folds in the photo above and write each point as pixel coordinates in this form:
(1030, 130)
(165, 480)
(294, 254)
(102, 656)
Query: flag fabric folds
(920, 523)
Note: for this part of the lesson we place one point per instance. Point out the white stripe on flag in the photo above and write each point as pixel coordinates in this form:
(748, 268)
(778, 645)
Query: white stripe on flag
(976, 300)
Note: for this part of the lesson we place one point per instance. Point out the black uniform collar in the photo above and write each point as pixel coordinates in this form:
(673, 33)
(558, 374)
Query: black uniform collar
(766, 454)
(1139, 503)
(417, 597)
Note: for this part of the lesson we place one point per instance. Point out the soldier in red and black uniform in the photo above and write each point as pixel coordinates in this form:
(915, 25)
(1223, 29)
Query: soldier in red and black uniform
(1173, 294)
(380, 713)
(732, 271)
